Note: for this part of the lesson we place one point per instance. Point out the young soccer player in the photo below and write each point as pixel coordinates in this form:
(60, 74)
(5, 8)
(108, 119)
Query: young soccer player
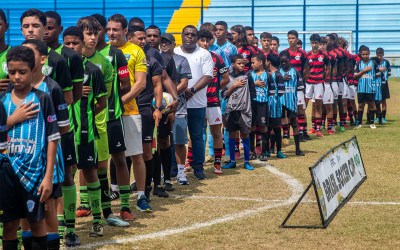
(92, 103)
(26, 180)
(365, 72)
(213, 112)
(222, 42)
(378, 95)
(237, 117)
(241, 42)
(299, 44)
(385, 69)
(49, 86)
(289, 101)
(266, 39)
(250, 37)
(275, 44)
(4, 48)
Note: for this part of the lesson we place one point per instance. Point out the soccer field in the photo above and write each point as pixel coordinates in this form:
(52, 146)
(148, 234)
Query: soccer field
(243, 209)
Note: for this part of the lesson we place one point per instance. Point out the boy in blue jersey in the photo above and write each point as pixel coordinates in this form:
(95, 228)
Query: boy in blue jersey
(26, 181)
(49, 86)
(289, 98)
(259, 104)
(366, 72)
(385, 69)
(377, 96)
(237, 117)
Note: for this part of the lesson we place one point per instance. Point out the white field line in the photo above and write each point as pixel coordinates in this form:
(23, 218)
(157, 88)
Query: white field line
(296, 190)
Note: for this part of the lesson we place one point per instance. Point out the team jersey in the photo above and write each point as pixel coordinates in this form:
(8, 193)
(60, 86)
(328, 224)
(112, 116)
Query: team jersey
(229, 50)
(50, 87)
(259, 51)
(215, 49)
(136, 59)
(378, 89)
(366, 83)
(334, 64)
(74, 62)
(270, 52)
(154, 68)
(108, 74)
(240, 99)
(261, 92)
(277, 88)
(318, 63)
(351, 64)
(57, 68)
(247, 52)
(3, 128)
(298, 60)
(289, 98)
(340, 63)
(85, 114)
(214, 86)
(120, 70)
(3, 63)
(183, 69)
(28, 140)
(387, 73)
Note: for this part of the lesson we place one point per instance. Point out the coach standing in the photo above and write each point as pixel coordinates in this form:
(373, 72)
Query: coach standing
(201, 64)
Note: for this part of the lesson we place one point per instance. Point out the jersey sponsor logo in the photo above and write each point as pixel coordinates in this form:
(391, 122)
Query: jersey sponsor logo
(123, 72)
(4, 67)
(51, 118)
(46, 70)
(20, 146)
(127, 56)
(30, 204)
(62, 106)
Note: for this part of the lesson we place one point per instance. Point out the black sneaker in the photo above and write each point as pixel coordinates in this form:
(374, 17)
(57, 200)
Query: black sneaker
(301, 137)
(72, 240)
(300, 153)
(168, 186)
(114, 195)
(133, 187)
(198, 172)
(306, 137)
(160, 191)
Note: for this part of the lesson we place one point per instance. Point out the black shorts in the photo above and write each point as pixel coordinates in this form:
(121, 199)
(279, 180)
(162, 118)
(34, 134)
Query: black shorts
(274, 122)
(385, 91)
(15, 201)
(233, 121)
(87, 155)
(286, 113)
(115, 131)
(365, 97)
(57, 191)
(259, 114)
(146, 112)
(164, 130)
(68, 149)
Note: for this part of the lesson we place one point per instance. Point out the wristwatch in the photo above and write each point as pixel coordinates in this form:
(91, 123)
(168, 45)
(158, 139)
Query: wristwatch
(159, 108)
(193, 90)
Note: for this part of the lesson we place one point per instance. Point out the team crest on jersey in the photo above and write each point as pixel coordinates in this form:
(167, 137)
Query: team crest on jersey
(46, 70)
(127, 56)
(297, 57)
(85, 77)
(4, 67)
(320, 59)
(310, 60)
(110, 58)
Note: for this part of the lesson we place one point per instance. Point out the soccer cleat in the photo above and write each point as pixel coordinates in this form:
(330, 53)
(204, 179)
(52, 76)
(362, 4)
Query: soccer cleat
(168, 186)
(376, 120)
(83, 211)
(372, 126)
(342, 129)
(231, 164)
(114, 195)
(114, 221)
(133, 187)
(143, 206)
(331, 132)
(263, 157)
(182, 180)
(209, 158)
(72, 240)
(319, 134)
(358, 126)
(280, 155)
(126, 214)
(160, 192)
(97, 230)
(217, 169)
(384, 121)
(247, 166)
(285, 142)
(312, 131)
(300, 153)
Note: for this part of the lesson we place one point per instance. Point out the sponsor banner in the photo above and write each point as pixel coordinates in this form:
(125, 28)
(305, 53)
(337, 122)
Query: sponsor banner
(336, 176)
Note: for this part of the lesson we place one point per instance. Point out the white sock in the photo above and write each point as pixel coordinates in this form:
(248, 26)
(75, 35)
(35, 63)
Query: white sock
(114, 187)
(139, 194)
(181, 169)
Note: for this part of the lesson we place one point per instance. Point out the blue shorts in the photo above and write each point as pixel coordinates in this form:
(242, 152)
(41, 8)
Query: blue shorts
(180, 131)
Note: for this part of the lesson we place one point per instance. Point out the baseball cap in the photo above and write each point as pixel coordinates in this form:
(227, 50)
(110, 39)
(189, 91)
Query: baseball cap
(169, 37)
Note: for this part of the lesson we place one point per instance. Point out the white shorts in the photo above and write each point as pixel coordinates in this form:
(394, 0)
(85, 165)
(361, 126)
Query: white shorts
(214, 115)
(315, 91)
(300, 99)
(341, 87)
(352, 92)
(328, 94)
(133, 135)
(346, 91)
(335, 89)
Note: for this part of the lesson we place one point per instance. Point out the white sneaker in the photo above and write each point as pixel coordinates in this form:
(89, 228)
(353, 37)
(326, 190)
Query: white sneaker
(181, 179)
(358, 126)
(372, 126)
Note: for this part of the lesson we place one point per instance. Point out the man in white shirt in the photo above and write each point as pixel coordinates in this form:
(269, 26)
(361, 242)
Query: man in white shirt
(201, 65)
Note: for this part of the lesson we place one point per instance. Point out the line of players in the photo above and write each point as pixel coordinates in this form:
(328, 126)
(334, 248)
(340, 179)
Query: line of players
(103, 106)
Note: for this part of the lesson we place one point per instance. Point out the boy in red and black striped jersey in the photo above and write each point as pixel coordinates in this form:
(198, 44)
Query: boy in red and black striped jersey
(251, 38)
(213, 112)
(266, 39)
(343, 85)
(242, 44)
(319, 66)
(298, 60)
(274, 44)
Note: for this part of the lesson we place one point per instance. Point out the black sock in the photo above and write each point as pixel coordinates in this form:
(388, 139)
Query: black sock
(39, 243)
(272, 140)
(360, 115)
(156, 169)
(252, 137)
(165, 155)
(105, 198)
(384, 114)
(149, 171)
(27, 242)
(113, 173)
(277, 139)
(372, 116)
(53, 244)
(264, 142)
(297, 141)
(10, 244)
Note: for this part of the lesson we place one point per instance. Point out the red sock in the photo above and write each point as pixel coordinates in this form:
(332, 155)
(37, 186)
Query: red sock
(217, 156)
(313, 124)
(189, 158)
